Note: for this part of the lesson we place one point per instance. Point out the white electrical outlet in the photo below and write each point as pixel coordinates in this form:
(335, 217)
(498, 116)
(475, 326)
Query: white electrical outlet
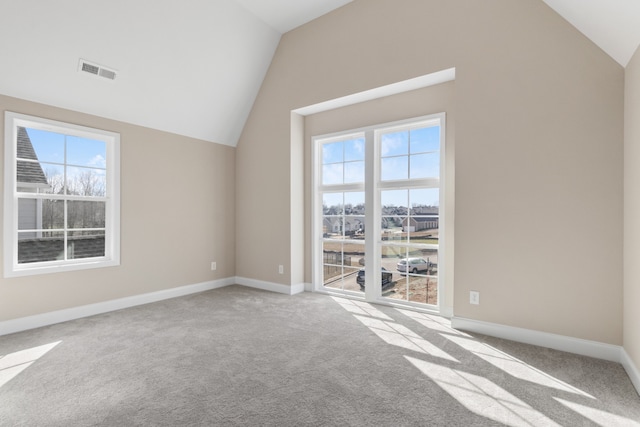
(281, 269)
(213, 265)
(474, 297)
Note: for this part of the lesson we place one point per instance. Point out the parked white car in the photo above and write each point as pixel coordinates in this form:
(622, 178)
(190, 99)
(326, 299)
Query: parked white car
(415, 265)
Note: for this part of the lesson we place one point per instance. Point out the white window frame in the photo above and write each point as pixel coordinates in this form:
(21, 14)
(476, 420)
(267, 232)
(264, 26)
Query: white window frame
(319, 189)
(372, 187)
(11, 196)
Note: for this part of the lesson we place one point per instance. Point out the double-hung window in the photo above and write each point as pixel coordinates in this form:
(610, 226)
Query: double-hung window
(378, 222)
(342, 195)
(62, 207)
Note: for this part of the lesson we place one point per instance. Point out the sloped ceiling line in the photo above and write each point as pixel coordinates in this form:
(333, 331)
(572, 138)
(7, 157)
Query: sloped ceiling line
(208, 57)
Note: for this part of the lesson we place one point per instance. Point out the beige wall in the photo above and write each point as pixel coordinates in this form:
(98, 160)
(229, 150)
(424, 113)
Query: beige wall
(632, 210)
(539, 140)
(177, 215)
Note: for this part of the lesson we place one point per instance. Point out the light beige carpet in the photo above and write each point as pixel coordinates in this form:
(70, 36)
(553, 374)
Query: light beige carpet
(239, 356)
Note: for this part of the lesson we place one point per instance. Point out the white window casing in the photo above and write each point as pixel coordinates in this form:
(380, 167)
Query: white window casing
(373, 185)
(100, 206)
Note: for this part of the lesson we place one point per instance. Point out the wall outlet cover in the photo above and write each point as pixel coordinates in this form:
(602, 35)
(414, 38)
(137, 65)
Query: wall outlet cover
(474, 297)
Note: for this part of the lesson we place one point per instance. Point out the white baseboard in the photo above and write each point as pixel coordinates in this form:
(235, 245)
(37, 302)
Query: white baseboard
(50, 318)
(270, 286)
(446, 312)
(631, 368)
(58, 316)
(298, 288)
(558, 342)
(543, 339)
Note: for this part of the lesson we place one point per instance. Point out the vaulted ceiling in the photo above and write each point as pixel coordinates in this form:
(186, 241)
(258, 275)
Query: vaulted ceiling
(193, 67)
(613, 25)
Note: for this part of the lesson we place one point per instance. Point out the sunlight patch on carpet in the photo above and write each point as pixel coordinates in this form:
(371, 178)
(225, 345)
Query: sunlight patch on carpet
(401, 336)
(482, 396)
(514, 367)
(598, 416)
(436, 323)
(360, 307)
(13, 363)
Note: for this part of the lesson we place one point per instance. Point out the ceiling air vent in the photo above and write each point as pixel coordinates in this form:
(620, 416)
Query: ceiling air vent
(96, 70)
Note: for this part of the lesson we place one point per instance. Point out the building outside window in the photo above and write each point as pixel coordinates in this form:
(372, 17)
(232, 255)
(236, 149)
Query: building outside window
(61, 196)
(378, 211)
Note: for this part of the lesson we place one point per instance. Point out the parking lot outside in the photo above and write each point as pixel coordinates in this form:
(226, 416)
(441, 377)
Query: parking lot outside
(419, 287)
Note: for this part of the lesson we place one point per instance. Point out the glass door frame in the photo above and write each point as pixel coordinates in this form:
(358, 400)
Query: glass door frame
(373, 186)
